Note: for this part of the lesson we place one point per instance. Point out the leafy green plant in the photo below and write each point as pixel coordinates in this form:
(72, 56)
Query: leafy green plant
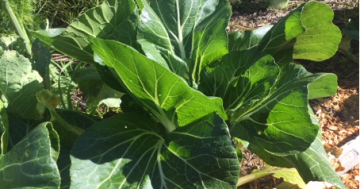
(190, 90)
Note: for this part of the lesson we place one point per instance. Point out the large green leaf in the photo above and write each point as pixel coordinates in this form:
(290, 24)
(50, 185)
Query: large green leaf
(265, 110)
(163, 93)
(185, 34)
(102, 22)
(31, 164)
(76, 119)
(299, 35)
(321, 37)
(125, 32)
(19, 128)
(79, 120)
(280, 123)
(19, 84)
(131, 151)
(323, 86)
(240, 78)
(302, 30)
(312, 164)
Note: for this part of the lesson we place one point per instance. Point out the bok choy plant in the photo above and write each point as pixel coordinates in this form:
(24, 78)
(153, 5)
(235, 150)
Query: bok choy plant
(191, 89)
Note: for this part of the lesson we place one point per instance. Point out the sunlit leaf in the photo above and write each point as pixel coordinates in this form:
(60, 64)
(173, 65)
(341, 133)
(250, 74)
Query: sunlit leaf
(186, 34)
(163, 93)
(110, 17)
(279, 123)
(312, 164)
(131, 151)
(18, 85)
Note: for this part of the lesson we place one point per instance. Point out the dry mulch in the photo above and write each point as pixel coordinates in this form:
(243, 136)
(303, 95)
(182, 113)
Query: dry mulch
(338, 115)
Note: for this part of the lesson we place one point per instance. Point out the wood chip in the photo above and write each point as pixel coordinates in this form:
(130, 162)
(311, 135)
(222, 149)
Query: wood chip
(334, 128)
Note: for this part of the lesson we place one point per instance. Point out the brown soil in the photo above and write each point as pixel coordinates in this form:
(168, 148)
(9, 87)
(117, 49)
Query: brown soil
(339, 114)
